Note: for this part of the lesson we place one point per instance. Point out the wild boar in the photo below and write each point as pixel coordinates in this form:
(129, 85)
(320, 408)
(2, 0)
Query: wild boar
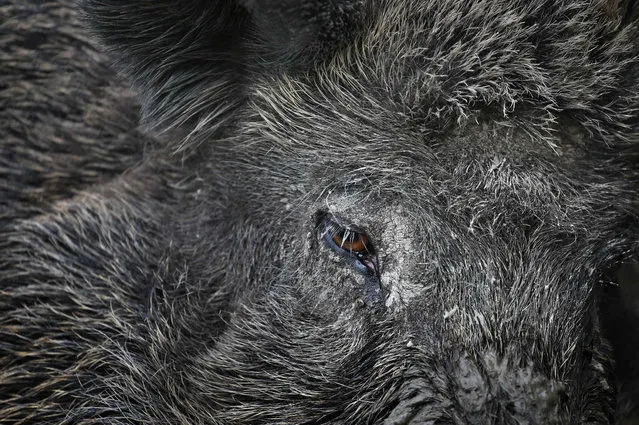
(317, 212)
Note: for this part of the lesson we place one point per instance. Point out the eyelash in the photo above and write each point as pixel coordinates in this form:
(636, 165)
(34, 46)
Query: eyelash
(351, 243)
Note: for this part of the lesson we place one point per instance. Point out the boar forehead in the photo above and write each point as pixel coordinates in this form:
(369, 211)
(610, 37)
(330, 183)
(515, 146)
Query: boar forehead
(483, 168)
(425, 105)
(438, 62)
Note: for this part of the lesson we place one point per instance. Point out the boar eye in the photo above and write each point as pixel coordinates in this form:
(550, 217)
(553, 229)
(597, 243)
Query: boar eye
(350, 242)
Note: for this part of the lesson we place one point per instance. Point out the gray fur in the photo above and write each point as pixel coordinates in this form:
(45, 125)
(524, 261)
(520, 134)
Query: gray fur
(178, 275)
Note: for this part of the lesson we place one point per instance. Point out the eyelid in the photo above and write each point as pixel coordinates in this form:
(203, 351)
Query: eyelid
(333, 222)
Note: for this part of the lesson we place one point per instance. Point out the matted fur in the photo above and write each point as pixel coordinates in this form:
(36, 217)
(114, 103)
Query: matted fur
(178, 275)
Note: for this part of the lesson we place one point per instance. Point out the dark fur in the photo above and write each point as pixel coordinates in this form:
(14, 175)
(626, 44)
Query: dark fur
(177, 275)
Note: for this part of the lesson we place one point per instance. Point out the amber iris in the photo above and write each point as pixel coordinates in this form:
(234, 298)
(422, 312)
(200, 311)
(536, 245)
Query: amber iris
(351, 241)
